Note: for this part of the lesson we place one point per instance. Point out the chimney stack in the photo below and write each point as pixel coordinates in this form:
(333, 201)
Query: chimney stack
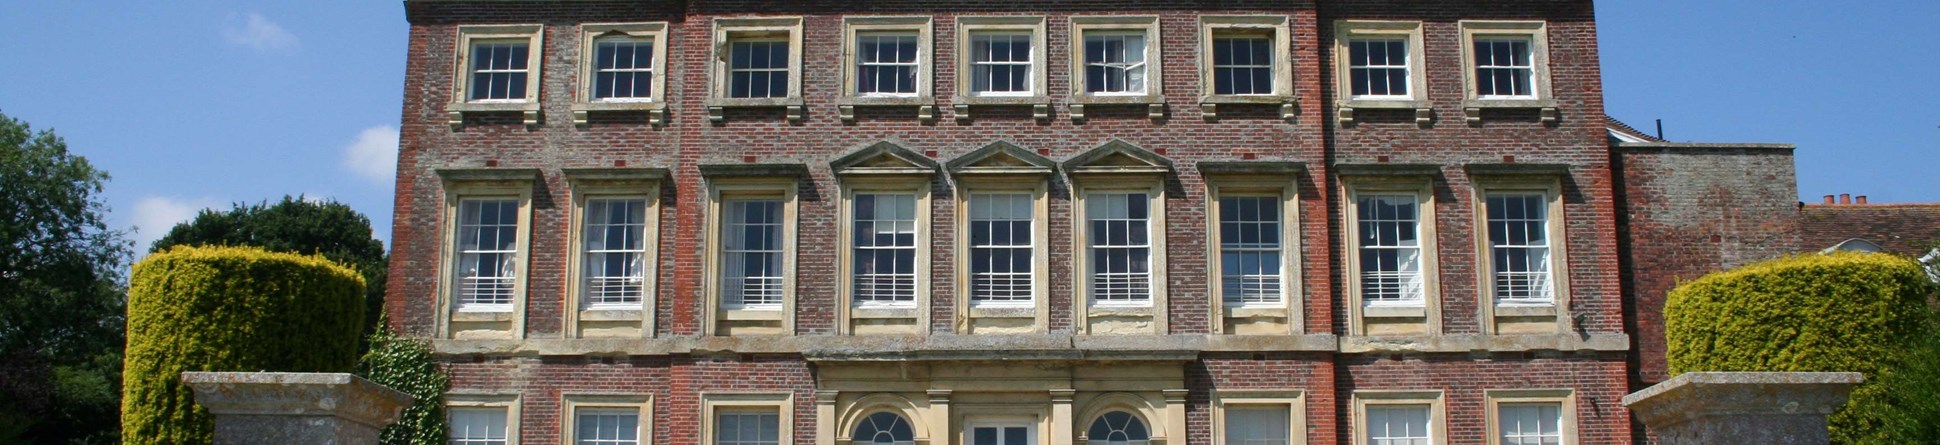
(1861, 200)
(1829, 200)
(1845, 198)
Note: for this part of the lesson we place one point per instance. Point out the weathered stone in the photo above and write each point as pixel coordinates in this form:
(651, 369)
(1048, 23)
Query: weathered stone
(295, 408)
(1722, 408)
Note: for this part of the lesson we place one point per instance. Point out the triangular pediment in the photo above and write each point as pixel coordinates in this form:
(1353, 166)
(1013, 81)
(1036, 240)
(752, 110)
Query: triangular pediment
(1001, 158)
(1118, 157)
(883, 158)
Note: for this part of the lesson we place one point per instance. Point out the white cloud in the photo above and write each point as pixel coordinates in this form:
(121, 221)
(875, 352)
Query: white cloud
(257, 32)
(374, 154)
(155, 215)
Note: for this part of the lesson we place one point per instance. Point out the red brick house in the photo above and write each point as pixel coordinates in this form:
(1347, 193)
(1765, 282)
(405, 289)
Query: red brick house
(1043, 223)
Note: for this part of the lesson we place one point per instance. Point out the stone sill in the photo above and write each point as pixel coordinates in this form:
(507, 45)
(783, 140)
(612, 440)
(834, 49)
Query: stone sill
(960, 105)
(1154, 104)
(528, 111)
(925, 105)
(1209, 105)
(793, 106)
(1424, 110)
(656, 111)
(1472, 108)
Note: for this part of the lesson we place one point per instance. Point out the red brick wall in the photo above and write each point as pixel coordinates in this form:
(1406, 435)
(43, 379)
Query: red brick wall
(1691, 211)
(689, 140)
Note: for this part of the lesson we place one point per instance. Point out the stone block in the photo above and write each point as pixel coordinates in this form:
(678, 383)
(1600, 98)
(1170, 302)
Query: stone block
(295, 408)
(1724, 408)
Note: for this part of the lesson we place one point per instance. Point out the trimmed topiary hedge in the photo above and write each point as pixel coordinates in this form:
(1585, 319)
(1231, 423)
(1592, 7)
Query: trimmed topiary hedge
(228, 309)
(1854, 312)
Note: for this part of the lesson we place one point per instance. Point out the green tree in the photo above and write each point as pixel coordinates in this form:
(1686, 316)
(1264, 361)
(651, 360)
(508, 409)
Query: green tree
(294, 225)
(406, 364)
(61, 294)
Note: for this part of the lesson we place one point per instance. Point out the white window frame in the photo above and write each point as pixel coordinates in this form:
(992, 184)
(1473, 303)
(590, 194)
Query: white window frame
(1564, 398)
(1037, 208)
(919, 194)
(720, 191)
(572, 403)
(1153, 247)
(1492, 307)
(509, 403)
(971, 26)
(516, 261)
(1533, 31)
(484, 184)
(1295, 402)
(1348, 31)
(1430, 306)
(714, 403)
(1082, 27)
(1283, 217)
(1433, 400)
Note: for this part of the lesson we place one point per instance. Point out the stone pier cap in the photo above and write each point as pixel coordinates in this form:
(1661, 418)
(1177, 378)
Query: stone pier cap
(297, 394)
(1764, 408)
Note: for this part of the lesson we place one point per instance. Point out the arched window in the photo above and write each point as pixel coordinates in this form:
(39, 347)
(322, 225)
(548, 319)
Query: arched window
(1118, 428)
(883, 428)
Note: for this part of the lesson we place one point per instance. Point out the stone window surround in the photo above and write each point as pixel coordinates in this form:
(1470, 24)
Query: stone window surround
(571, 403)
(1273, 25)
(847, 307)
(1437, 410)
(1537, 33)
(1156, 409)
(613, 183)
(1286, 189)
(783, 187)
(1038, 187)
(1154, 189)
(1564, 397)
(1154, 96)
(728, 29)
(1039, 100)
(924, 99)
(1422, 186)
(508, 401)
(655, 106)
(783, 402)
(461, 104)
(1346, 103)
(463, 184)
(1294, 400)
(1484, 182)
(861, 408)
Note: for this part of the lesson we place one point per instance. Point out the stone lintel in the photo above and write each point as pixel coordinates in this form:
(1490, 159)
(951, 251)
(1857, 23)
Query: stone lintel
(295, 408)
(1743, 407)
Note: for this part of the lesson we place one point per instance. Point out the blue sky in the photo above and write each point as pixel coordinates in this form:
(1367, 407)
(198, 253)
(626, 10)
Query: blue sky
(201, 103)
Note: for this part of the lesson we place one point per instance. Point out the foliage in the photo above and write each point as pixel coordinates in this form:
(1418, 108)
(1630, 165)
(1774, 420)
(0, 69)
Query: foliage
(229, 309)
(60, 294)
(1855, 312)
(405, 364)
(294, 225)
(1912, 389)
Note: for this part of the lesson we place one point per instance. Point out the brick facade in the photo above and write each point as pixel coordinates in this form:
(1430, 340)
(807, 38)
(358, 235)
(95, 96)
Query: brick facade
(1628, 220)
